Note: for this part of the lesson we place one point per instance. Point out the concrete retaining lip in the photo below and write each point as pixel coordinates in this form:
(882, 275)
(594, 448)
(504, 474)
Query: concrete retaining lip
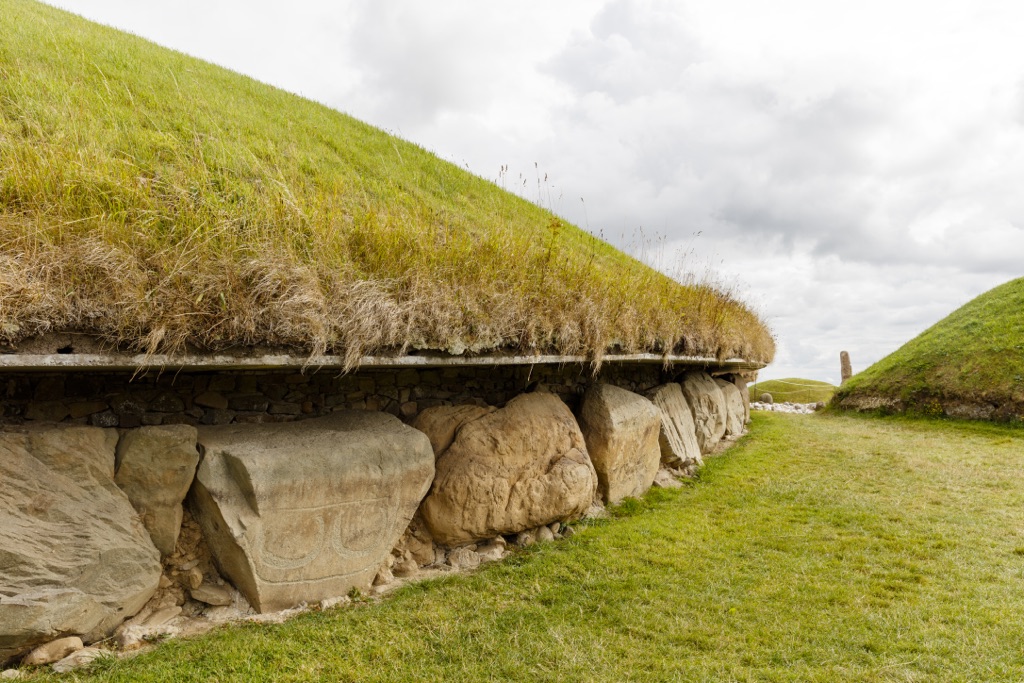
(272, 361)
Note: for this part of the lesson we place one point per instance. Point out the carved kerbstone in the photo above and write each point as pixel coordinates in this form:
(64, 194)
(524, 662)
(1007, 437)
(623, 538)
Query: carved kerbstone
(678, 438)
(302, 511)
(735, 418)
(621, 430)
(505, 471)
(707, 403)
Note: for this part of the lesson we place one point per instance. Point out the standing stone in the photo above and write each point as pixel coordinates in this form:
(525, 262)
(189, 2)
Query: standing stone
(845, 369)
(707, 404)
(734, 415)
(155, 467)
(513, 469)
(74, 556)
(302, 511)
(678, 438)
(621, 430)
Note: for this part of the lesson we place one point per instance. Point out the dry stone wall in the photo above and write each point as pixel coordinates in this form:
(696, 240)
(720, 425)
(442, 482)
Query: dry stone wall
(124, 400)
(193, 496)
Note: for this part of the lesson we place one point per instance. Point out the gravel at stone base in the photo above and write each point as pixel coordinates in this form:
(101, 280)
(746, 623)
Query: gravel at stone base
(787, 407)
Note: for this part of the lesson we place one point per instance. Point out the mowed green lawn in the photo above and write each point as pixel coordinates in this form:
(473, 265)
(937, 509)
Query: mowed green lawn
(821, 548)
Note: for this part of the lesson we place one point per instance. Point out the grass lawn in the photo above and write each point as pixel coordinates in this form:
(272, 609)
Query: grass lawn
(793, 389)
(821, 548)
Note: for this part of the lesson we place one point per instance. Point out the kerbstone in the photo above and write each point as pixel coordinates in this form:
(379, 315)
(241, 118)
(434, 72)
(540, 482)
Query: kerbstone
(517, 468)
(707, 403)
(678, 437)
(302, 511)
(734, 412)
(621, 431)
(74, 556)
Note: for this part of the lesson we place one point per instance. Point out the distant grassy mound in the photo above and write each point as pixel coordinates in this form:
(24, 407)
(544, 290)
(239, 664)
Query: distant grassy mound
(163, 203)
(794, 390)
(970, 364)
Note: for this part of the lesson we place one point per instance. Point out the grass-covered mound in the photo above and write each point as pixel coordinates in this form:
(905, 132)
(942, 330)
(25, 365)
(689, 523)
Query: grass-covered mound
(794, 390)
(970, 364)
(161, 202)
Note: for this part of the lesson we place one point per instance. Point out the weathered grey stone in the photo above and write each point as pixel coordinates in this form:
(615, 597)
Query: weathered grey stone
(493, 550)
(678, 437)
(254, 403)
(104, 419)
(621, 430)
(509, 470)
(74, 556)
(418, 542)
(155, 467)
(734, 413)
(741, 384)
(46, 411)
(301, 511)
(212, 594)
(162, 616)
(707, 404)
(665, 480)
(54, 651)
(167, 403)
(465, 557)
(526, 538)
(80, 659)
(211, 399)
(405, 567)
(86, 408)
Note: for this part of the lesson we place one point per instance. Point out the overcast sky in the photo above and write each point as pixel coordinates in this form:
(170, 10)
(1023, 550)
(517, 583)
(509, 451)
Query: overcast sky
(854, 169)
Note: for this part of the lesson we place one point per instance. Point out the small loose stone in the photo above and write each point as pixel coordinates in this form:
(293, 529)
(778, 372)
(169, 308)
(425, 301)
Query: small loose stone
(212, 594)
(53, 651)
(77, 660)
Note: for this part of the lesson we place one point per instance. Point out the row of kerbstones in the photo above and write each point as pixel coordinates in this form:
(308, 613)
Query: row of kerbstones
(301, 512)
(531, 463)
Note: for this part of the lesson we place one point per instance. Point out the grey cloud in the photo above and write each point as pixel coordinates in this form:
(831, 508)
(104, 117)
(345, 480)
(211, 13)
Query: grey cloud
(418, 61)
(632, 49)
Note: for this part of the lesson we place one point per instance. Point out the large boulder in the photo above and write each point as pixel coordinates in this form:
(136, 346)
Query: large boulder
(155, 467)
(74, 556)
(678, 437)
(735, 420)
(707, 403)
(517, 468)
(303, 511)
(621, 430)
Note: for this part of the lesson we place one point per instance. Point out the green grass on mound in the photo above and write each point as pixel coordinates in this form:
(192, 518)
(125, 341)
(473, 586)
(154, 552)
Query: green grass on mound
(793, 389)
(158, 201)
(975, 355)
(821, 548)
